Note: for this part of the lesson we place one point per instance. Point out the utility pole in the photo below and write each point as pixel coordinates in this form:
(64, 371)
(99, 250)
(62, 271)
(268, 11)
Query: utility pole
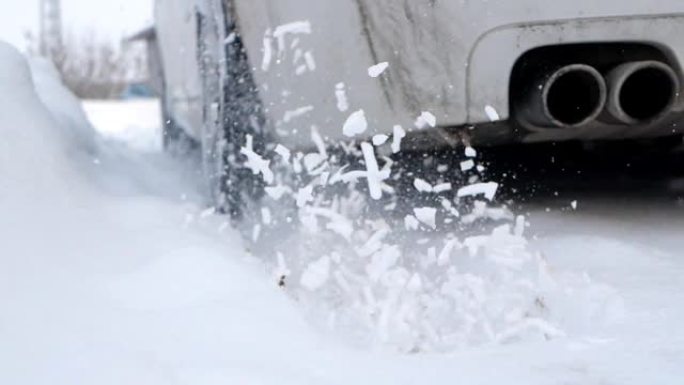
(50, 39)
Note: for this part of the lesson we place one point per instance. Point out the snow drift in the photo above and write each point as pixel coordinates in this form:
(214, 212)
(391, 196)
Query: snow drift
(108, 286)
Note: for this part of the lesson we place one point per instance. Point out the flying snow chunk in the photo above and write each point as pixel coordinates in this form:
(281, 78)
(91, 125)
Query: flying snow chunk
(415, 284)
(470, 152)
(356, 124)
(268, 51)
(397, 135)
(319, 142)
(256, 163)
(293, 114)
(373, 173)
(341, 96)
(425, 187)
(492, 114)
(276, 192)
(297, 27)
(427, 216)
(442, 187)
(486, 189)
(304, 196)
(266, 216)
(379, 140)
(467, 165)
(310, 61)
(573, 204)
(284, 152)
(230, 39)
(426, 119)
(316, 274)
(411, 222)
(378, 69)
(422, 185)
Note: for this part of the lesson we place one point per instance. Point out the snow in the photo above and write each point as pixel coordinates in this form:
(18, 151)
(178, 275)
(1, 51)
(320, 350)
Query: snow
(69, 113)
(398, 134)
(267, 51)
(116, 290)
(276, 192)
(316, 274)
(378, 69)
(230, 39)
(426, 119)
(427, 216)
(256, 163)
(373, 174)
(304, 196)
(422, 185)
(134, 123)
(470, 152)
(380, 139)
(293, 114)
(355, 124)
(114, 272)
(492, 114)
(293, 28)
(297, 27)
(411, 222)
(310, 61)
(487, 189)
(425, 187)
(442, 187)
(319, 142)
(467, 165)
(284, 152)
(341, 96)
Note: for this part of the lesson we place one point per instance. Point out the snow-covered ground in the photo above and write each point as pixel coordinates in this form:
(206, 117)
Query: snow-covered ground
(113, 272)
(135, 122)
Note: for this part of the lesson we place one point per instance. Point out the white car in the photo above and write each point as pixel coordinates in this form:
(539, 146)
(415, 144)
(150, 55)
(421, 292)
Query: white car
(446, 71)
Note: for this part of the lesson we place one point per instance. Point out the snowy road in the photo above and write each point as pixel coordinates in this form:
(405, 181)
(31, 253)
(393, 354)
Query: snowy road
(112, 272)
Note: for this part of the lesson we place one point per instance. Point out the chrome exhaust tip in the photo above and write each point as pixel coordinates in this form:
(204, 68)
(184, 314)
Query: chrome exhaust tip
(569, 96)
(640, 92)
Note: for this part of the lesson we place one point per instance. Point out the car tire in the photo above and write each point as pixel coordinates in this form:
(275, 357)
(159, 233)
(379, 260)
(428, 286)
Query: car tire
(232, 112)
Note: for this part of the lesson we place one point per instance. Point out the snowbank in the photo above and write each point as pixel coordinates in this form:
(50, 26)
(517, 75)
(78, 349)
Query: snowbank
(62, 105)
(100, 288)
(133, 122)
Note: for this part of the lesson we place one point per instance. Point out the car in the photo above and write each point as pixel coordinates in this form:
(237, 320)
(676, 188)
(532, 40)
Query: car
(442, 72)
(137, 90)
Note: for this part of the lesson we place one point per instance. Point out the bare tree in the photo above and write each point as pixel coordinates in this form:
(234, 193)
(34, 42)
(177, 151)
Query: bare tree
(95, 68)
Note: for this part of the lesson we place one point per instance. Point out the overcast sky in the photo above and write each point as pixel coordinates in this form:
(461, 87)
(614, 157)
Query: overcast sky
(106, 18)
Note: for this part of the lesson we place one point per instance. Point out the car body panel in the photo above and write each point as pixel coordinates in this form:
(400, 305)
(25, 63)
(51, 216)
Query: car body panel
(452, 58)
(341, 53)
(176, 26)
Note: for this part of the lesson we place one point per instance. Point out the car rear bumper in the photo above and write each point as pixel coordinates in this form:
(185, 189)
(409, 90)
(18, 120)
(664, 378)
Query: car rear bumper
(451, 58)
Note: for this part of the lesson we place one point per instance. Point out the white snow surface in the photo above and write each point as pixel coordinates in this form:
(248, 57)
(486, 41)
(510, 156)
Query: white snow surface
(113, 272)
(133, 122)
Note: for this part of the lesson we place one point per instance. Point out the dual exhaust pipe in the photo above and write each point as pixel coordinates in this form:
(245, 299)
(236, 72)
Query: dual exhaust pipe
(575, 95)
